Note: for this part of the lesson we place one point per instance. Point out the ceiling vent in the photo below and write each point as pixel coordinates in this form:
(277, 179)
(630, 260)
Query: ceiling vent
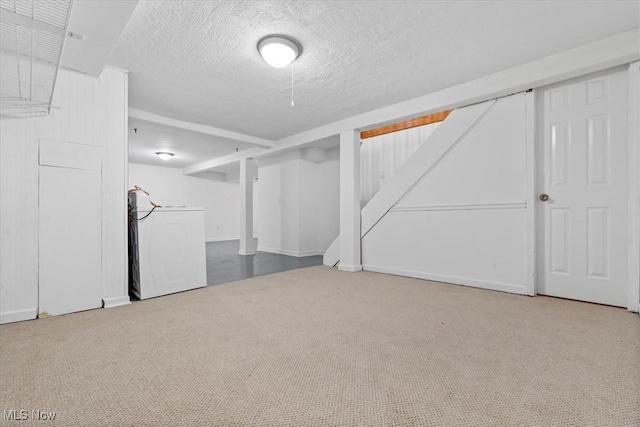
(32, 37)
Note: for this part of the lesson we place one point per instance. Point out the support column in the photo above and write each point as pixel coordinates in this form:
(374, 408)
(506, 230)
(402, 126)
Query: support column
(350, 259)
(247, 246)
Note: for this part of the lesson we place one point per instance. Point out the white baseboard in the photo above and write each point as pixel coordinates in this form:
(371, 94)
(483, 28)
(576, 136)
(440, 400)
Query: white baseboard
(494, 286)
(309, 253)
(224, 239)
(350, 268)
(18, 315)
(288, 252)
(250, 252)
(116, 301)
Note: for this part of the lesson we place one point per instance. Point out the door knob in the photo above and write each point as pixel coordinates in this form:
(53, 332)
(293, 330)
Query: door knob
(544, 197)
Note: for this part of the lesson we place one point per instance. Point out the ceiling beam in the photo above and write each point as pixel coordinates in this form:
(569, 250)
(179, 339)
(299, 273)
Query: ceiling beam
(407, 124)
(195, 127)
(100, 22)
(599, 55)
(229, 159)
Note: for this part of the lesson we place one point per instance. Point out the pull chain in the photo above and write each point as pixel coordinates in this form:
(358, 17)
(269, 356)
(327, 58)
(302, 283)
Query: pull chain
(292, 84)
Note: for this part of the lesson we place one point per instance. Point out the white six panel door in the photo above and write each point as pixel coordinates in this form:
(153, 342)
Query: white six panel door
(582, 167)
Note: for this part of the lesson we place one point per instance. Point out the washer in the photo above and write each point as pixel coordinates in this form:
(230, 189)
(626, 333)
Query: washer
(170, 251)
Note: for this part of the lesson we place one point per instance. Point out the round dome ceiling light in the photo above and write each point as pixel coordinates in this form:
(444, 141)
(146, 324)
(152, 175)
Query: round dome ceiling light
(279, 51)
(164, 155)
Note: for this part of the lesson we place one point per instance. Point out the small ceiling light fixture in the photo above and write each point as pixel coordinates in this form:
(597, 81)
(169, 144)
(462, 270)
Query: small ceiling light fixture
(279, 51)
(164, 155)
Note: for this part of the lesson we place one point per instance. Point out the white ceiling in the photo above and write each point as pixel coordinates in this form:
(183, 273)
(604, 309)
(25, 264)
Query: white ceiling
(197, 60)
(100, 22)
(189, 147)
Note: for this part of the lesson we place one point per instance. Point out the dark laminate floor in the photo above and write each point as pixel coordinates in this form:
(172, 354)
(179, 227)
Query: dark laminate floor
(224, 264)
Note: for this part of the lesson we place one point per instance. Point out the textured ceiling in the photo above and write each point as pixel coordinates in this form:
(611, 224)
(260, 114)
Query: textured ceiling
(189, 147)
(197, 60)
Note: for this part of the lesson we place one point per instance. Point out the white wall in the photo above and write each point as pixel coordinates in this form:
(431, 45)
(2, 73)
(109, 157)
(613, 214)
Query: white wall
(89, 111)
(634, 166)
(297, 205)
(382, 155)
(278, 208)
(465, 220)
(328, 199)
(170, 187)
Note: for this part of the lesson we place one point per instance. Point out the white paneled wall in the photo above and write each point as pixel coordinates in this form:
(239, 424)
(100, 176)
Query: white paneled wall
(18, 220)
(382, 155)
(170, 187)
(86, 110)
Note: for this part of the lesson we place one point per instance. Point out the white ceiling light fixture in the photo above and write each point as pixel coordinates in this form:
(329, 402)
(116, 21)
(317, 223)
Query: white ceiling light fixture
(164, 155)
(279, 51)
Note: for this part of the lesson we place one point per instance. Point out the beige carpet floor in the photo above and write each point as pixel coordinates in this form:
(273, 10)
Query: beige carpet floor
(317, 347)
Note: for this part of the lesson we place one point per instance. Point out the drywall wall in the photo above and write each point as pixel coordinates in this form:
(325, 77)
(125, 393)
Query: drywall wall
(277, 208)
(465, 220)
(298, 201)
(87, 110)
(169, 187)
(328, 199)
(382, 155)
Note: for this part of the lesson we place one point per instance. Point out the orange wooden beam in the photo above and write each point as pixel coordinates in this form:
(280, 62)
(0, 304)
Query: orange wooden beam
(407, 124)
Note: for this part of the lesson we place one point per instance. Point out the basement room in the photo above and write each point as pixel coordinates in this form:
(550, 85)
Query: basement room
(326, 213)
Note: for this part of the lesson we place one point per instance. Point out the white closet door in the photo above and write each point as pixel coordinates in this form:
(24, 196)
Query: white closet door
(70, 221)
(583, 172)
